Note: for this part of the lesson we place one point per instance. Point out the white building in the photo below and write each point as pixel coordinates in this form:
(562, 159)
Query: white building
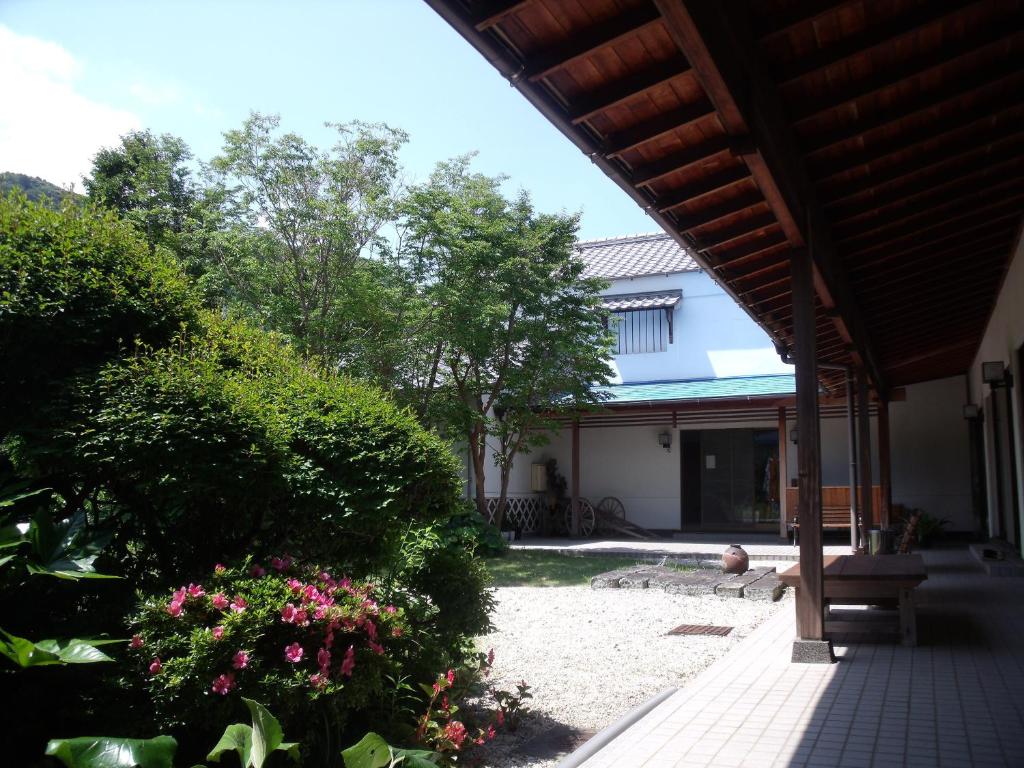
(695, 371)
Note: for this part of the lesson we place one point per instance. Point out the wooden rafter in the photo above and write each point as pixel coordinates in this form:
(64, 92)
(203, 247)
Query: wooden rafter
(657, 127)
(692, 222)
(716, 182)
(718, 47)
(679, 161)
(735, 232)
(587, 42)
(628, 88)
(492, 12)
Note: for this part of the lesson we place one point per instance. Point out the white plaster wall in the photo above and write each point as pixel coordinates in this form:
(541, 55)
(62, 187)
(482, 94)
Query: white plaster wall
(1003, 337)
(713, 337)
(930, 450)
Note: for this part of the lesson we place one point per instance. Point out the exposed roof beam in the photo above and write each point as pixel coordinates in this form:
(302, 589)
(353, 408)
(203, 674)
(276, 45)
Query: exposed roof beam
(992, 36)
(909, 23)
(719, 48)
(584, 43)
(631, 138)
(918, 104)
(647, 174)
(689, 223)
(492, 12)
(735, 232)
(741, 254)
(799, 14)
(716, 182)
(862, 269)
(628, 88)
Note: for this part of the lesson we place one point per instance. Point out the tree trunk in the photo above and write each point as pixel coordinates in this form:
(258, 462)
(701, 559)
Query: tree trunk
(478, 450)
(499, 512)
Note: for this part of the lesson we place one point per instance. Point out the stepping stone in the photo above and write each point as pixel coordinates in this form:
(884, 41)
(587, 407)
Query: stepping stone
(695, 584)
(736, 587)
(767, 588)
(609, 580)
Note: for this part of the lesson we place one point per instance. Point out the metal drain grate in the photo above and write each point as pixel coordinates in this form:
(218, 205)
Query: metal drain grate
(700, 629)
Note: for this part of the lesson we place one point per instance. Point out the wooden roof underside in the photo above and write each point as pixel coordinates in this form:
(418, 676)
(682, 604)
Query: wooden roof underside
(885, 135)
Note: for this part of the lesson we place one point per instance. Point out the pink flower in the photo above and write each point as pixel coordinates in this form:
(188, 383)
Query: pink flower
(218, 633)
(302, 617)
(323, 659)
(490, 732)
(220, 602)
(196, 591)
(320, 613)
(451, 677)
(390, 609)
(288, 614)
(179, 595)
(295, 586)
(173, 608)
(219, 568)
(396, 631)
(371, 630)
(224, 683)
(238, 604)
(136, 641)
(376, 647)
(311, 593)
(240, 660)
(293, 653)
(318, 680)
(155, 666)
(455, 732)
(257, 570)
(281, 563)
(345, 584)
(349, 662)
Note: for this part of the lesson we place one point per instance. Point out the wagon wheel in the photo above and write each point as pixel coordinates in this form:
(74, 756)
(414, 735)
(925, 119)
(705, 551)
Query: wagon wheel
(588, 519)
(609, 508)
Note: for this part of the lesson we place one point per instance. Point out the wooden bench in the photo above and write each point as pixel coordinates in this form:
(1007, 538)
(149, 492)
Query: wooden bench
(832, 518)
(875, 580)
(835, 508)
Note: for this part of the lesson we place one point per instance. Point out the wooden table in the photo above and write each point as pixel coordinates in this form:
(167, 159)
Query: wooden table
(869, 580)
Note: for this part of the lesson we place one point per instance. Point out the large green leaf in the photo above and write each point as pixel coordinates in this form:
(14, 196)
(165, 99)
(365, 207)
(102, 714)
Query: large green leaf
(236, 738)
(106, 752)
(254, 743)
(26, 653)
(66, 549)
(373, 752)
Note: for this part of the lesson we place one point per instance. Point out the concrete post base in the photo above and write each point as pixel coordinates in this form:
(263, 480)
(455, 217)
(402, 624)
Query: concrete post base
(813, 652)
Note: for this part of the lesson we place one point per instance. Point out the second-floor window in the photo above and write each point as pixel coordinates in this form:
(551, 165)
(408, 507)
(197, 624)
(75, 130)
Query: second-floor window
(641, 322)
(639, 331)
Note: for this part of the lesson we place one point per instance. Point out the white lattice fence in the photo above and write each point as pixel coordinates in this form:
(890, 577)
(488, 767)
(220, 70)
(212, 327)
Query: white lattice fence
(524, 510)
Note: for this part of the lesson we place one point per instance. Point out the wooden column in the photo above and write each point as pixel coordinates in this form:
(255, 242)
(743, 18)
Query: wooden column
(884, 463)
(810, 618)
(783, 472)
(574, 529)
(851, 442)
(864, 439)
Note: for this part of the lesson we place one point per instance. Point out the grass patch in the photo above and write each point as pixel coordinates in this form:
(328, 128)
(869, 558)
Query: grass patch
(539, 568)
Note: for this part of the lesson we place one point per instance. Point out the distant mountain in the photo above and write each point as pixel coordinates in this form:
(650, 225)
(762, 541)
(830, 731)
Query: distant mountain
(33, 187)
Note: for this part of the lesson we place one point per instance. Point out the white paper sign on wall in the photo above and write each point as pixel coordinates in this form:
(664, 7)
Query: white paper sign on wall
(709, 461)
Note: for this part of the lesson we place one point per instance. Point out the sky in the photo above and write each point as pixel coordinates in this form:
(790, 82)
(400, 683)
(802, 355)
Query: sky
(76, 75)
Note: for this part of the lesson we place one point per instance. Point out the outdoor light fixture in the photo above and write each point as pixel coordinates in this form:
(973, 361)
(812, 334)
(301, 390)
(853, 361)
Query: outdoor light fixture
(665, 440)
(793, 435)
(995, 374)
(971, 411)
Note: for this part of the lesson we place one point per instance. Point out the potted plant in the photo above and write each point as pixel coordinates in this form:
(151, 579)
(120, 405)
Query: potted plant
(929, 529)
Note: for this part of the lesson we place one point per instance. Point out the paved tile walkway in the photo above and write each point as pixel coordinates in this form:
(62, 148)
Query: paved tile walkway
(687, 545)
(955, 700)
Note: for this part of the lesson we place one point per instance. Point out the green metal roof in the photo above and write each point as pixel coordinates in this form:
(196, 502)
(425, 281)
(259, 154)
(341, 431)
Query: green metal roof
(735, 387)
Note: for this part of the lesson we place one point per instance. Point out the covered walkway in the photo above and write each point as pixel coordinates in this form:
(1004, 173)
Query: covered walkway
(955, 700)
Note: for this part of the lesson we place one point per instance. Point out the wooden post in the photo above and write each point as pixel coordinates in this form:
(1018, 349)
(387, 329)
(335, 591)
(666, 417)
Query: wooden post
(864, 420)
(783, 473)
(810, 617)
(851, 442)
(574, 529)
(884, 463)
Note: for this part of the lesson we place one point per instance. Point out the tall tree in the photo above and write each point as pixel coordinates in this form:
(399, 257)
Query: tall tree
(147, 180)
(516, 337)
(315, 218)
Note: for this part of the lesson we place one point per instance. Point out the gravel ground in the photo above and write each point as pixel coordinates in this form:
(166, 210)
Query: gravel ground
(592, 655)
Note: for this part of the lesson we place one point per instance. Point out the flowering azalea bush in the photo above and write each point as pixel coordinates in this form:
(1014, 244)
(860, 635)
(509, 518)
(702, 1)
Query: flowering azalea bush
(314, 646)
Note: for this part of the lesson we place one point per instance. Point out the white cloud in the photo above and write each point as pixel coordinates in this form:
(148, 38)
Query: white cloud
(48, 128)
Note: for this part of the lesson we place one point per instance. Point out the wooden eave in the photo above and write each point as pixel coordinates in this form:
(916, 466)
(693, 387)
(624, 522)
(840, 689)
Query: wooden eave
(883, 137)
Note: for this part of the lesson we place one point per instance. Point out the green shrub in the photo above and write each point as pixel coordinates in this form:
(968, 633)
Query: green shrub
(77, 286)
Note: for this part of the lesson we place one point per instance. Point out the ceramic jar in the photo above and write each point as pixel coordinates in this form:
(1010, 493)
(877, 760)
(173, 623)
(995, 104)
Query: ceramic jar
(735, 560)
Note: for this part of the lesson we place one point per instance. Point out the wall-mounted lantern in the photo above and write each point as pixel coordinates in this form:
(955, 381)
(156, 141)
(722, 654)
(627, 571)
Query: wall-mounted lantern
(665, 440)
(996, 375)
(793, 435)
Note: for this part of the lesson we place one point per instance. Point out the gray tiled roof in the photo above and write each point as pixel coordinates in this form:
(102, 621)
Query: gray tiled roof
(634, 256)
(625, 302)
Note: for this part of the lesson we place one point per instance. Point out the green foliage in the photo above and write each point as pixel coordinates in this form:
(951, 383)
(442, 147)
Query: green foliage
(517, 332)
(254, 743)
(373, 751)
(35, 189)
(105, 752)
(77, 288)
